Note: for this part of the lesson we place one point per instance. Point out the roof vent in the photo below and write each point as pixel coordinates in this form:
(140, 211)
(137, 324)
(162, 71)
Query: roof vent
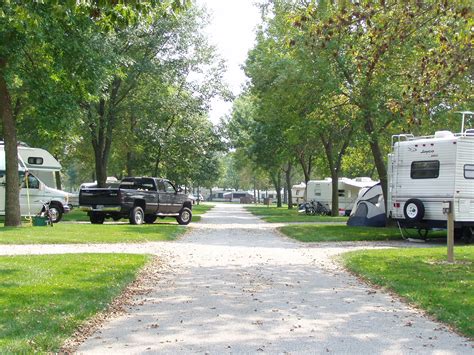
(443, 134)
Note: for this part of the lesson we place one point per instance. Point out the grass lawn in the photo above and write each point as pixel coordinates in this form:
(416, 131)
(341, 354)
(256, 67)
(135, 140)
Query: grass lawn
(419, 275)
(68, 233)
(336, 233)
(43, 299)
(76, 215)
(273, 214)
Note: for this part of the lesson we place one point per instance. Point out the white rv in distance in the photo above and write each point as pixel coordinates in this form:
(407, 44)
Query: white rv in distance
(297, 193)
(423, 172)
(348, 190)
(33, 192)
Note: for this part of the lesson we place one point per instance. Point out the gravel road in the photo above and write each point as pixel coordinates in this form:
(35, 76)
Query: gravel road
(234, 285)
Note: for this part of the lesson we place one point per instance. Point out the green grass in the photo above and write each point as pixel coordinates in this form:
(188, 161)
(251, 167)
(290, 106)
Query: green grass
(68, 233)
(76, 215)
(333, 233)
(419, 275)
(338, 233)
(43, 299)
(273, 214)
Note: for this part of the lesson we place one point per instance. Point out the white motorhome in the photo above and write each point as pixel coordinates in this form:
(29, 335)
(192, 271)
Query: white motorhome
(424, 172)
(348, 191)
(33, 192)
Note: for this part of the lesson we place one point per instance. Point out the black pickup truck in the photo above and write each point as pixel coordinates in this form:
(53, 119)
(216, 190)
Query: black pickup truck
(140, 199)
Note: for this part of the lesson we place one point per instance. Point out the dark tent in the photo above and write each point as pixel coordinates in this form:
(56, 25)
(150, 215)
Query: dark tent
(369, 208)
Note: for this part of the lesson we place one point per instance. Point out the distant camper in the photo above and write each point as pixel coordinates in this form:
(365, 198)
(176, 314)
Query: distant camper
(348, 191)
(423, 172)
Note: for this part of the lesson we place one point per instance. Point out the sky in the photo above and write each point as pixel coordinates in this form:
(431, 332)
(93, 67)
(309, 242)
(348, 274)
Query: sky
(232, 31)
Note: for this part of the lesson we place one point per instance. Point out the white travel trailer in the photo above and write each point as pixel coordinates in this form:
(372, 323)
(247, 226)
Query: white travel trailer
(33, 192)
(348, 190)
(424, 172)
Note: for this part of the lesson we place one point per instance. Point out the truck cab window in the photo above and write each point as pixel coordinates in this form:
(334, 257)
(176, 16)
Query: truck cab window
(168, 187)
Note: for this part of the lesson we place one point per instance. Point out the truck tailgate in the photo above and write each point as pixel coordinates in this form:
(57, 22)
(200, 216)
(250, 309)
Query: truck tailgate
(99, 196)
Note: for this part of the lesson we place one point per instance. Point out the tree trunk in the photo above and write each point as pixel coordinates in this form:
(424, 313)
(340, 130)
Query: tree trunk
(381, 168)
(307, 167)
(12, 186)
(288, 185)
(379, 158)
(254, 191)
(100, 170)
(335, 192)
(102, 133)
(276, 179)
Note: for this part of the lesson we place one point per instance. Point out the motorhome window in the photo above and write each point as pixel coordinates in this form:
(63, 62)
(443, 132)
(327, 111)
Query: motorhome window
(425, 169)
(35, 160)
(469, 171)
(341, 193)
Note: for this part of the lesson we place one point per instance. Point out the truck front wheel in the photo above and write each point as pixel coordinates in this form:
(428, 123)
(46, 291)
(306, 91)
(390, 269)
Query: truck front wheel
(56, 212)
(136, 215)
(185, 216)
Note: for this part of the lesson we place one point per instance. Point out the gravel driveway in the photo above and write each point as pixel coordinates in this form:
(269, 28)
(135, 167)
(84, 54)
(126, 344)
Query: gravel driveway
(234, 285)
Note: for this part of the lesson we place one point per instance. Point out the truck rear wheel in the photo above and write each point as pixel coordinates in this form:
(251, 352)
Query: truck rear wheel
(136, 215)
(97, 218)
(150, 218)
(185, 216)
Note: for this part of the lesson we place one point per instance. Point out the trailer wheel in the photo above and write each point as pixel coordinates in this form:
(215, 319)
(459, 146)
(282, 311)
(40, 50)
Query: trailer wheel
(150, 218)
(136, 215)
(414, 210)
(185, 216)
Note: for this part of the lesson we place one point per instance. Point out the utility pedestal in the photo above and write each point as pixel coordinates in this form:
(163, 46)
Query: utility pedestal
(448, 210)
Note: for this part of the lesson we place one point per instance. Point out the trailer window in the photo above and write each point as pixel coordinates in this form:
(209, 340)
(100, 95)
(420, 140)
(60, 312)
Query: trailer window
(469, 171)
(425, 169)
(35, 161)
